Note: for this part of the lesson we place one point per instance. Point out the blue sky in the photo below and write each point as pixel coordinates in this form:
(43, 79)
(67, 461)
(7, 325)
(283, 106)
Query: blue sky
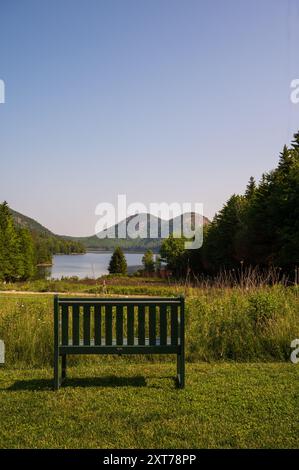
(163, 100)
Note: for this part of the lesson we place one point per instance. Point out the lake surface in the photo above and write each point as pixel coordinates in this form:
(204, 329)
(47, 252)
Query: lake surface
(92, 265)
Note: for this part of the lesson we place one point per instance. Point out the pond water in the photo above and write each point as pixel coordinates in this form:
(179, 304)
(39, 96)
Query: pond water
(92, 265)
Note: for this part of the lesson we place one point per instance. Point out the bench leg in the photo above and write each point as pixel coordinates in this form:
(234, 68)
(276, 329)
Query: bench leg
(181, 370)
(56, 371)
(63, 374)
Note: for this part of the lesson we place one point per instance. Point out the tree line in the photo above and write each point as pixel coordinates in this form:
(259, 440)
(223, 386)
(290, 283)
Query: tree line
(22, 250)
(46, 246)
(258, 228)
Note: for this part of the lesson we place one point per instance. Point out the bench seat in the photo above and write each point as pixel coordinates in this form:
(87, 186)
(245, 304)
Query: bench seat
(97, 325)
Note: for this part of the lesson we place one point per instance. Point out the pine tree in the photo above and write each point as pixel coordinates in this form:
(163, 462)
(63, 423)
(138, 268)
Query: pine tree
(220, 248)
(10, 257)
(295, 142)
(250, 188)
(273, 221)
(148, 261)
(118, 263)
(17, 253)
(285, 159)
(27, 254)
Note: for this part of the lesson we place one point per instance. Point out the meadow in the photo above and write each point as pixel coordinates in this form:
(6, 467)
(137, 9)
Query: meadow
(237, 324)
(241, 388)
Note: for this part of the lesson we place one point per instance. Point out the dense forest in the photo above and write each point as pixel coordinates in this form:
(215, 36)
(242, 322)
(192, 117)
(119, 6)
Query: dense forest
(22, 247)
(258, 228)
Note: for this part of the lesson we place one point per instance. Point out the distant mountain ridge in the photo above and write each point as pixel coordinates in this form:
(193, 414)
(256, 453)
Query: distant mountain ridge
(95, 243)
(146, 222)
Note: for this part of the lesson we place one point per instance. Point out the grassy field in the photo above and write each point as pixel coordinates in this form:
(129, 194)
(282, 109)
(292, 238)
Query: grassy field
(137, 406)
(221, 324)
(242, 390)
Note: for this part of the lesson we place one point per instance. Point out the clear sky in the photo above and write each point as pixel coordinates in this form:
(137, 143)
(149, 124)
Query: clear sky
(163, 100)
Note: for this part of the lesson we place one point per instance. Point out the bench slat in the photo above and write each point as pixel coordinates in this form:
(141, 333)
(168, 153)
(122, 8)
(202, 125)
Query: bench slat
(174, 325)
(163, 324)
(119, 324)
(97, 324)
(141, 324)
(114, 343)
(130, 324)
(65, 324)
(86, 325)
(152, 324)
(76, 329)
(108, 324)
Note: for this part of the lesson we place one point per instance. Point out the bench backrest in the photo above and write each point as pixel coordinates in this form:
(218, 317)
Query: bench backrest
(113, 320)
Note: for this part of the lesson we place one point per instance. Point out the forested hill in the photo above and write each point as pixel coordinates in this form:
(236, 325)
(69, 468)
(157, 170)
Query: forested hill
(46, 242)
(32, 225)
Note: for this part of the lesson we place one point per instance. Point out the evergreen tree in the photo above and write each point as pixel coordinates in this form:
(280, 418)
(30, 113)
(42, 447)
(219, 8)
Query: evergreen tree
(274, 215)
(285, 158)
(148, 261)
(17, 252)
(220, 247)
(10, 257)
(118, 263)
(295, 142)
(250, 188)
(27, 254)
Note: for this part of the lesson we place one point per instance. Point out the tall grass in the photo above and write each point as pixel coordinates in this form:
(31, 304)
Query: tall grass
(26, 326)
(242, 325)
(256, 324)
(246, 277)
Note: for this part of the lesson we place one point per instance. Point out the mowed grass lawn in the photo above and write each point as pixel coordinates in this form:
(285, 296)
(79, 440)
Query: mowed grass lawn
(125, 405)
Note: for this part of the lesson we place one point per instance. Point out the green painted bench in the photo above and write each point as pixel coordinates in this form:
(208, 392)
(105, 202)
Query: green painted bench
(152, 325)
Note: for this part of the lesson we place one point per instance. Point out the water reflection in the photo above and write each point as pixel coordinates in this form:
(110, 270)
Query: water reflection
(92, 265)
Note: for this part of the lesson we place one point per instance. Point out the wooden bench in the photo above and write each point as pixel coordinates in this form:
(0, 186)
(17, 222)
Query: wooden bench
(153, 325)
